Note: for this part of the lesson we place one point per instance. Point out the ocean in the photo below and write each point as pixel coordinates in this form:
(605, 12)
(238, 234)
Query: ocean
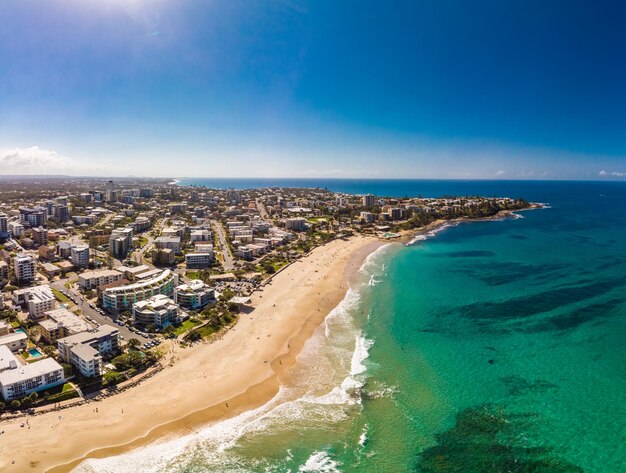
(489, 346)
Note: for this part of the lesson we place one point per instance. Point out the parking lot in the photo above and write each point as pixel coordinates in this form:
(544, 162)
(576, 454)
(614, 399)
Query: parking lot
(98, 316)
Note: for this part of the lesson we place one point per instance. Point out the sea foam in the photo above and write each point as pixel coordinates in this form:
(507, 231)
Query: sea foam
(335, 357)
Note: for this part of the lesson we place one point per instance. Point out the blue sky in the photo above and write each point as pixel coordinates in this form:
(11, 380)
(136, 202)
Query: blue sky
(334, 88)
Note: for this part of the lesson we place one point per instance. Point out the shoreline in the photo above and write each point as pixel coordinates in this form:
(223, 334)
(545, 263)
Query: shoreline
(315, 284)
(339, 260)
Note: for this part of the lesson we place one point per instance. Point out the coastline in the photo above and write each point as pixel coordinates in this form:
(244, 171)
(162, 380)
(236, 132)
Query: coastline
(242, 370)
(408, 237)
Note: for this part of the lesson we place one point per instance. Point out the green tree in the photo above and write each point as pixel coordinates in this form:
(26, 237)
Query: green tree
(133, 343)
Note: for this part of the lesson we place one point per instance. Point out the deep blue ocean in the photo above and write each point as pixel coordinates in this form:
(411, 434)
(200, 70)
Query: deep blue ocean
(495, 346)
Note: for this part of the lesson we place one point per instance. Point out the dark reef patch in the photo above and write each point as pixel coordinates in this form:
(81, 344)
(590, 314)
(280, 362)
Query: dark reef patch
(525, 307)
(465, 254)
(516, 385)
(575, 318)
(483, 440)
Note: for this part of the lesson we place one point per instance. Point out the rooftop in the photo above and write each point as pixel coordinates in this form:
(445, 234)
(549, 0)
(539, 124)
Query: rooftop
(30, 370)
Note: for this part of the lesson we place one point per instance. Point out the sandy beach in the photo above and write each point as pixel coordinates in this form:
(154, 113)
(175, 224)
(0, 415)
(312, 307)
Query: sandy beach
(207, 382)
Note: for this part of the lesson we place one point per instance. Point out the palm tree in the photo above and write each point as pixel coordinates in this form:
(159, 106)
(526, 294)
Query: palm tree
(133, 343)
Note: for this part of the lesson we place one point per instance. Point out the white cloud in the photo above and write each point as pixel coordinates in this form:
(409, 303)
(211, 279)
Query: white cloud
(604, 173)
(501, 172)
(35, 160)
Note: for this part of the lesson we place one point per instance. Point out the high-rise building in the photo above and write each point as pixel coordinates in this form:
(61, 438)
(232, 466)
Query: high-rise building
(25, 268)
(368, 200)
(110, 194)
(80, 256)
(120, 242)
(4, 226)
(35, 217)
(61, 212)
(40, 236)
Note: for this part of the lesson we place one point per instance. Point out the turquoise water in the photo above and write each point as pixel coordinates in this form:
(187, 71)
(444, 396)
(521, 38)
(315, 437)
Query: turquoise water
(490, 346)
(20, 330)
(34, 353)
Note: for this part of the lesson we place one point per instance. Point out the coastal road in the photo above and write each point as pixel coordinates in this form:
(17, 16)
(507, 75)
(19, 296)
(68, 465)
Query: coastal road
(89, 311)
(229, 261)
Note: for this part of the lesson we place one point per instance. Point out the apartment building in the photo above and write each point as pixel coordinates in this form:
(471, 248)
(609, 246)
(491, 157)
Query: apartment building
(79, 256)
(116, 299)
(4, 271)
(61, 323)
(84, 350)
(159, 311)
(94, 279)
(17, 380)
(16, 229)
(172, 243)
(37, 300)
(198, 260)
(194, 295)
(120, 242)
(4, 226)
(199, 235)
(298, 224)
(34, 217)
(368, 200)
(25, 268)
(15, 341)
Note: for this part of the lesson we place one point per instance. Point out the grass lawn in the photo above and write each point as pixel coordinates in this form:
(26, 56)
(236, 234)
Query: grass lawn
(186, 325)
(60, 296)
(193, 274)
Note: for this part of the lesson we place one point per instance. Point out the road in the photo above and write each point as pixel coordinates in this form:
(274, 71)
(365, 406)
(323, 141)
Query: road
(229, 261)
(88, 311)
(262, 210)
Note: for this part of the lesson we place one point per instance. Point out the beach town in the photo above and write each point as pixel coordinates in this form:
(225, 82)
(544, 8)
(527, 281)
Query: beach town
(115, 294)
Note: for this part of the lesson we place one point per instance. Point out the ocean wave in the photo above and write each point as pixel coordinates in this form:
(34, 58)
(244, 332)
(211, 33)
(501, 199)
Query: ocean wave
(372, 260)
(363, 437)
(430, 234)
(380, 391)
(319, 462)
(325, 392)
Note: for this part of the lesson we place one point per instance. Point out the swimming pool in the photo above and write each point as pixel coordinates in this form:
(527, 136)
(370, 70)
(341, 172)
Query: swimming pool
(34, 353)
(21, 330)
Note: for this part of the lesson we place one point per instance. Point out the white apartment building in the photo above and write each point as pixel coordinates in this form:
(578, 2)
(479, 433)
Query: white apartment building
(16, 229)
(193, 295)
(80, 256)
(116, 299)
(95, 279)
(17, 380)
(172, 243)
(245, 252)
(198, 260)
(159, 311)
(199, 235)
(14, 341)
(38, 299)
(367, 217)
(25, 268)
(84, 350)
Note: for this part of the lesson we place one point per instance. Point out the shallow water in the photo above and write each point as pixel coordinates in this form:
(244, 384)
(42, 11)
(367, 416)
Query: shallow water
(489, 346)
